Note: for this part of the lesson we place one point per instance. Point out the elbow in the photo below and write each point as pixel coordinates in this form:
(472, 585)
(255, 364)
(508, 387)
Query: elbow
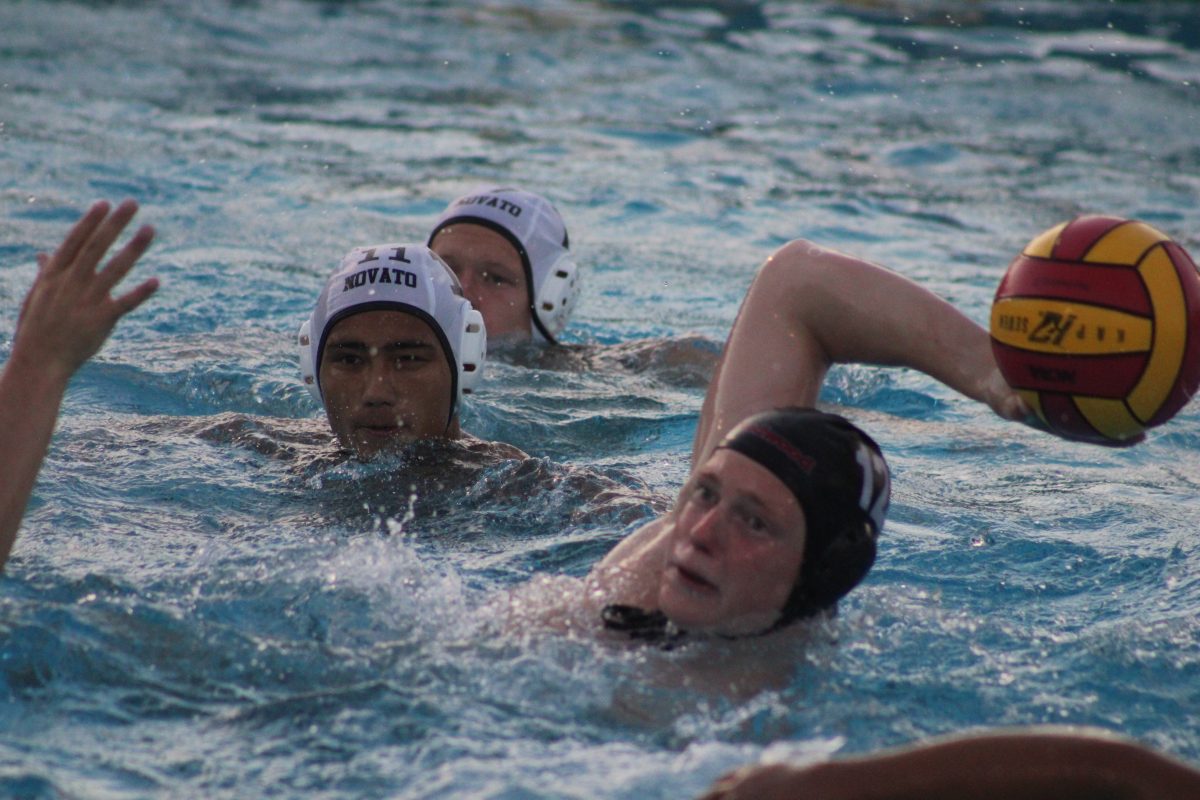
(800, 266)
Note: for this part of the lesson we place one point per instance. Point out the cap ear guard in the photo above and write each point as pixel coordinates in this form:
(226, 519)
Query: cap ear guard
(472, 351)
(308, 371)
(556, 296)
(827, 575)
(830, 575)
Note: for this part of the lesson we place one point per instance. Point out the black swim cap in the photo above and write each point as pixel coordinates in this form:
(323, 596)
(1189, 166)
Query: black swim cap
(841, 480)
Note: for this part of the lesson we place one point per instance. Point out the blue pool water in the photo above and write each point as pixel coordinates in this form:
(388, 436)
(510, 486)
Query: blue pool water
(188, 615)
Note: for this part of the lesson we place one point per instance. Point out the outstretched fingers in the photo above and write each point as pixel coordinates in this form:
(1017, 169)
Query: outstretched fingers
(103, 236)
(76, 238)
(70, 310)
(120, 264)
(135, 297)
(1009, 405)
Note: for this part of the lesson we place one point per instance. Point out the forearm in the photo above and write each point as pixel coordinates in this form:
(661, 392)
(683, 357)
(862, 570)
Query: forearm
(30, 397)
(857, 312)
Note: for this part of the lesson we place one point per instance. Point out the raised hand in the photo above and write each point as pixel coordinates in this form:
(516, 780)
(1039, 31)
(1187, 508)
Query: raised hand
(69, 312)
(66, 317)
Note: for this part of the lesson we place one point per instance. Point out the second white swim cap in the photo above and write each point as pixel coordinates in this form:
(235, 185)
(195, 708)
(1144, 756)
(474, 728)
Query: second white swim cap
(539, 235)
(400, 277)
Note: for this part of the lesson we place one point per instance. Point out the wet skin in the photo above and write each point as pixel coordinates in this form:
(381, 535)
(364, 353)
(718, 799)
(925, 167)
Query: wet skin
(386, 381)
(734, 549)
(492, 277)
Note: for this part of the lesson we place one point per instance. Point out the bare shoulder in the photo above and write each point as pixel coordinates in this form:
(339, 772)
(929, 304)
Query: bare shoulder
(546, 603)
(685, 361)
(631, 571)
(282, 438)
(497, 451)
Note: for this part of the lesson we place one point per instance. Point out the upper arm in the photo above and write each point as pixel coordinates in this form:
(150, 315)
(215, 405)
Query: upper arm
(772, 357)
(810, 307)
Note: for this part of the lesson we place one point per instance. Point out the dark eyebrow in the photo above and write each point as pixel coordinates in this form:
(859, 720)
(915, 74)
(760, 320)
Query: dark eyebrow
(492, 263)
(753, 502)
(349, 344)
(410, 344)
(485, 262)
(401, 344)
(748, 499)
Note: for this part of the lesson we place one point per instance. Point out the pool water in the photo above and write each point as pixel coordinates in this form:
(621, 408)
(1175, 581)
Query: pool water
(202, 604)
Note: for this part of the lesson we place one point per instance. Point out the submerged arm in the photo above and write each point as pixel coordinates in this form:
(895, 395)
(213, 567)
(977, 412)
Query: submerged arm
(810, 307)
(1041, 764)
(66, 317)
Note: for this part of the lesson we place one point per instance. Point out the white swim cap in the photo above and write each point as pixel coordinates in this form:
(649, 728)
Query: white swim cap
(409, 278)
(539, 235)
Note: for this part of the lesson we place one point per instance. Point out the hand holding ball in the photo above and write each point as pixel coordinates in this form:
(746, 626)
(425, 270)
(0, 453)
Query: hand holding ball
(1096, 324)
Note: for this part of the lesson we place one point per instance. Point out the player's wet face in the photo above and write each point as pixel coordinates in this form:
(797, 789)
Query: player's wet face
(386, 381)
(492, 276)
(737, 542)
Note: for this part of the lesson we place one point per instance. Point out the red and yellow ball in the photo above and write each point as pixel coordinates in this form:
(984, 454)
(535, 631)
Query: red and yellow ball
(1096, 324)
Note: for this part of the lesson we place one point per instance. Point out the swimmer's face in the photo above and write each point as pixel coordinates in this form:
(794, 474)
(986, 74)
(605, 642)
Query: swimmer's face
(736, 546)
(492, 277)
(386, 381)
